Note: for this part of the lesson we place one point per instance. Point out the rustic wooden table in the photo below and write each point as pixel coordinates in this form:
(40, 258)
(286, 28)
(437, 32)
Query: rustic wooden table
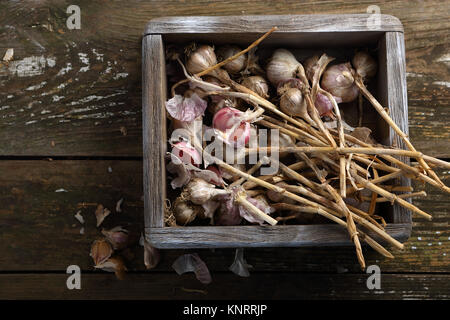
(70, 121)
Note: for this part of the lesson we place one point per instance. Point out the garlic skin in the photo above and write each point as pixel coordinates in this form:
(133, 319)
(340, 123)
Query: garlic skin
(311, 67)
(118, 237)
(338, 81)
(283, 66)
(228, 121)
(293, 104)
(101, 251)
(201, 59)
(200, 191)
(236, 65)
(323, 105)
(364, 64)
(258, 85)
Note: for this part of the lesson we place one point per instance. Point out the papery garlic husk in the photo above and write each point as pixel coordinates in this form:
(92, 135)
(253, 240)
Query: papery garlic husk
(118, 237)
(261, 203)
(293, 103)
(201, 59)
(200, 191)
(235, 65)
(101, 250)
(101, 213)
(364, 65)
(192, 263)
(186, 153)
(184, 211)
(311, 67)
(258, 85)
(151, 255)
(282, 66)
(114, 264)
(279, 197)
(228, 213)
(340, 86)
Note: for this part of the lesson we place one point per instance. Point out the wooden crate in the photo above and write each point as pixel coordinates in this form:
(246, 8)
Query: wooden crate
(294, 31)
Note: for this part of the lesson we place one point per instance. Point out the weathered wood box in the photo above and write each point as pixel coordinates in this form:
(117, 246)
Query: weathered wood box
(300, 33)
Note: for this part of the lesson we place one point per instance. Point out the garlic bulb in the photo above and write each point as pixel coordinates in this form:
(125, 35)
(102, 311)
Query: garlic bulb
(201, 59)
(323, 105)
(283, 66)
(200, 191)
(236, 132)
(338, 81)
(365, 65)
(184, 211)
(293, 104)
(257, 84)
(235, 65)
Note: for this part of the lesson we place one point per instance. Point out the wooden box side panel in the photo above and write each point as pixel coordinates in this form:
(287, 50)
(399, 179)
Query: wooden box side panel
(262, 23)
(154, 129)
(394, 96)
(258, 236)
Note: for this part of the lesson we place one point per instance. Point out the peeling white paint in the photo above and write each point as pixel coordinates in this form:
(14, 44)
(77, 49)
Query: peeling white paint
(56, 98)
(442, 83)
(120, 75)
(30, 66)
(64, 70)
(4, 108)
(444, 58)
(30, 122)
(98, 56)
(36, 87)
(45, 111)
(10, 96)
(85, 60)
(414, 75)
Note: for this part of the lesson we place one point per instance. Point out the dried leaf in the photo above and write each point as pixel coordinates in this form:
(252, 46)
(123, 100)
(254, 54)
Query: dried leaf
(101, 250)
(192, 263)
(101, 213)
(240, 266)
(151, 256)
(114, 264)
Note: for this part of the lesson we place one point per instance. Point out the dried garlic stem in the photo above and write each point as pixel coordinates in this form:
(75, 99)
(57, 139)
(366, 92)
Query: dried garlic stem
(340, 128)
(375, 245)
(402, 135)
(373, 199)
(402, 196)
(252, 170)
(367, 150)
(392, 197)
(437, 162)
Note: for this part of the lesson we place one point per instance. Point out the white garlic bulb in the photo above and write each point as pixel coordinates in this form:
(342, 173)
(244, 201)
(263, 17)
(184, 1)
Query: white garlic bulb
(257, 84)
(200, 191)
(201, 59)
(283, 66)
(293, 103)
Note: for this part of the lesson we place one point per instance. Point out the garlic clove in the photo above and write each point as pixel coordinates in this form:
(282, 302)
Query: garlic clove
(293, 103)
(235, 65)
(118, 237)
(101, 250)
(229, 121)
(186, 108)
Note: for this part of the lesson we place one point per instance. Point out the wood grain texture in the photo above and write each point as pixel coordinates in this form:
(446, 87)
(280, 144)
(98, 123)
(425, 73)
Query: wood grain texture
(154, 129)
(259, 236)
(38, 231)
(260, 286)
(107, 92)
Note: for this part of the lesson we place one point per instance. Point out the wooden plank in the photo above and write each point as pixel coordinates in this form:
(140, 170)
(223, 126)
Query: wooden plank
(260, 236)
(107, 93)
(39, 233)
(154, 129)
(262, 23)
(267, 286)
